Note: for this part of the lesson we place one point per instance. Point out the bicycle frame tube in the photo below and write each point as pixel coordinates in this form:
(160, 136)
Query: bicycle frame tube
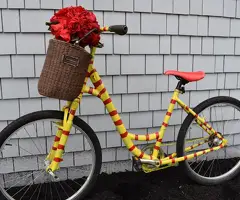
(200, 121)
(99, 90)
(55, 155)
(205, 126)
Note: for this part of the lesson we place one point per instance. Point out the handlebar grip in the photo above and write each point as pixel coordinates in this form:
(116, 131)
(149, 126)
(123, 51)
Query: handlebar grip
(118, 29)
(52, 23)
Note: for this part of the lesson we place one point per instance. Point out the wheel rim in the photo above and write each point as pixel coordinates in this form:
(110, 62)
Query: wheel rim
(216, 168)
(61, 189)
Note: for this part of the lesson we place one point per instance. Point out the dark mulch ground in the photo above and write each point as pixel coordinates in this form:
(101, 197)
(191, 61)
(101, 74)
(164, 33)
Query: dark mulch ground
(169, 184)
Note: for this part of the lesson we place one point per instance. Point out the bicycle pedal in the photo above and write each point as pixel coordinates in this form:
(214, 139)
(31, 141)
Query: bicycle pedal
(136, 164)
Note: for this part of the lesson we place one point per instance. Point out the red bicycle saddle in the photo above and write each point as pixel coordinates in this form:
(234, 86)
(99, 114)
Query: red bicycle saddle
(188, 76)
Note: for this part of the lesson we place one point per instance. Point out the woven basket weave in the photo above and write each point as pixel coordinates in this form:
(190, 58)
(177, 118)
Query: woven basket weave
(64, 70)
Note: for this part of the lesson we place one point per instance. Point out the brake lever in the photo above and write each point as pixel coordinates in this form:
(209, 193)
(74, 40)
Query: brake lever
(77, 40)
(87, 34)
(100, 45)
(52, 23)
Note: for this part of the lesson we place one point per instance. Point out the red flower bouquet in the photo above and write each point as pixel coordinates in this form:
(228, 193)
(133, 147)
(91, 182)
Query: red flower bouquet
(73, 23)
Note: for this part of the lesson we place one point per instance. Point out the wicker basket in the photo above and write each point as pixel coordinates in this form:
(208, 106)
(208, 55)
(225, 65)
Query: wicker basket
(64, 70)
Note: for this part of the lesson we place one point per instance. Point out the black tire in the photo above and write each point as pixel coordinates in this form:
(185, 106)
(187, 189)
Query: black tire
(52, 114)
(183, 131)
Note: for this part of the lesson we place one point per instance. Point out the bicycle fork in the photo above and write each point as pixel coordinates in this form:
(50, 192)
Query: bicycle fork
(55, 156)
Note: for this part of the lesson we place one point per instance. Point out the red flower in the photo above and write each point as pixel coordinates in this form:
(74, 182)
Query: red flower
(76, 21)
(92, 17)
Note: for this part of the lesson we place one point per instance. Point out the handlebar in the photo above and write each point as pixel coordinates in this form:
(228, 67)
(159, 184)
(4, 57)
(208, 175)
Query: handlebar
(51, 23)
(118, 29)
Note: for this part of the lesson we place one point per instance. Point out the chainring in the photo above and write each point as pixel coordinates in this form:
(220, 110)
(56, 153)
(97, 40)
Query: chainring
(149, 150)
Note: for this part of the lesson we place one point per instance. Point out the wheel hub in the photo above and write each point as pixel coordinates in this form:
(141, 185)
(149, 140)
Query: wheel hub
(46, 164)
(214, 141)
(55, 177)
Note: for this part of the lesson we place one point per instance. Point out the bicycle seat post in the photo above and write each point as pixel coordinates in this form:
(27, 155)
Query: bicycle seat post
(181, 85)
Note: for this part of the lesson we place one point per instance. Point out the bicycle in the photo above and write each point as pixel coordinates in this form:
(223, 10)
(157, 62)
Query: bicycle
(147, 159)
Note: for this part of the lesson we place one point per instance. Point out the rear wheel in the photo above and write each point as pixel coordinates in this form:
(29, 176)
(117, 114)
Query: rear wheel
(223, 114)
(24, 145)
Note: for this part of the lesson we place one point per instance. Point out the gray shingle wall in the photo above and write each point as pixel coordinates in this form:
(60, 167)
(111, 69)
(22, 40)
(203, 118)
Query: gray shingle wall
(186, 35)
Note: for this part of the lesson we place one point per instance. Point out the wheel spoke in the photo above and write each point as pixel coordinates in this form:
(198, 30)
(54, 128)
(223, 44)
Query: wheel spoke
(219, 167)
(69, 186)
(32, 140)
(197, 165)
(40, 173)
(211, 168)
(35, 128)
(28, 181)
(208, 168)
(34, 192)
(46, 192)
(57, 191)
(215, 165)
(76, 183)
(39, 191)
(202, 165)
(50, 185)
(63, 189)
(18, 182)
(16, 179)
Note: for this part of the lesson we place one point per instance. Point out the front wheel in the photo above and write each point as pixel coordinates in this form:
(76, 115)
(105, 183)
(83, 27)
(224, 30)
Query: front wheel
(216, 167)
(24, 145)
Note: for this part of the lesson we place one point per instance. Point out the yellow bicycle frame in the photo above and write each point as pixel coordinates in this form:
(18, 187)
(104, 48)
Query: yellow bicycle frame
(99, 90)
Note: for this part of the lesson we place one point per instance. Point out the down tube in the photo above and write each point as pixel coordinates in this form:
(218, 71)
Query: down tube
(101, 92)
